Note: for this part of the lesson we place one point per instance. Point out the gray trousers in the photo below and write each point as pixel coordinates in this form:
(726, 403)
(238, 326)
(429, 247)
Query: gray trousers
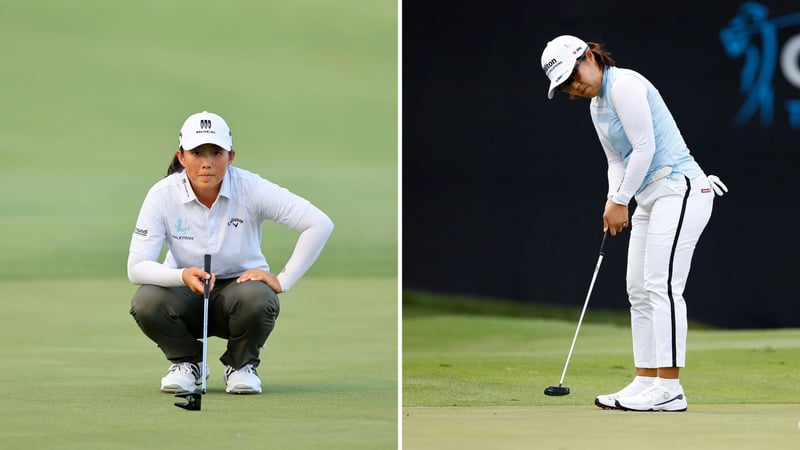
(243, 313)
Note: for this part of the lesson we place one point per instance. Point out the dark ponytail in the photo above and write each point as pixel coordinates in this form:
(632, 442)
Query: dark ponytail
(175, 166)
(602, 56)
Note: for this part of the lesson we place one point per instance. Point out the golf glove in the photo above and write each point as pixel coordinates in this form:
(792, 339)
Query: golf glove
(717, 184)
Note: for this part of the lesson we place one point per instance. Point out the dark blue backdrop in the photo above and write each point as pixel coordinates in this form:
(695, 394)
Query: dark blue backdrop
(503, 190)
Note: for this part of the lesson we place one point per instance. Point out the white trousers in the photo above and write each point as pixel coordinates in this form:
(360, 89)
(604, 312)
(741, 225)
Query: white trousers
(669, 218)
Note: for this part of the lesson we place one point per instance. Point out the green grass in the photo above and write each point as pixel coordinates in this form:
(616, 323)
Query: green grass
(477, 375)
(78, 373)
(704, 427)
(94, 93)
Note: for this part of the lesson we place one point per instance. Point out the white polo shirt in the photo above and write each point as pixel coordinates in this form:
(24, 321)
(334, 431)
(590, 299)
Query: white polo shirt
(230, 230)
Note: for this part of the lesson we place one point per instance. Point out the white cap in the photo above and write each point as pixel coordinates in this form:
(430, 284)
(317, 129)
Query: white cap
(558, 59)
(205, 128)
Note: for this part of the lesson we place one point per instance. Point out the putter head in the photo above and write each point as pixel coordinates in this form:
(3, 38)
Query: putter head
(556, 390)
(193, 400)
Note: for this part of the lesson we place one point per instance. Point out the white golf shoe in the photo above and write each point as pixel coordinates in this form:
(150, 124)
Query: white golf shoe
(608, 401)
(655, 398)
(182, 377)
(242, 381)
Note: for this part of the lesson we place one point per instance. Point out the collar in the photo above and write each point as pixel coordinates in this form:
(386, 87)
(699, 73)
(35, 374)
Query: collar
(603, 86)
(187, 193)
(185, 186)
(225, 188)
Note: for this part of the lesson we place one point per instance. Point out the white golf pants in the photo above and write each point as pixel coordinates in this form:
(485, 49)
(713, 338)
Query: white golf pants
(669, 218)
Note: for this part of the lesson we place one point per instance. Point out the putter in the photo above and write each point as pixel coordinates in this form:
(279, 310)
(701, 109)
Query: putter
(560, 389)
(194, 398)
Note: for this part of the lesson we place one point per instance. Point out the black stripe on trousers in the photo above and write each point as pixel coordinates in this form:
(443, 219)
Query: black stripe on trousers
(669, 277)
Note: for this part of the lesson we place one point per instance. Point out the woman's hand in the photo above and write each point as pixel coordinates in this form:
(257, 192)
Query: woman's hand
(615, 217)
(262, 276)
(195, 277)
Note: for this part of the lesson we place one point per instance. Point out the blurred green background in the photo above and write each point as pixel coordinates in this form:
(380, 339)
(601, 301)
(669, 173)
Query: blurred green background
(93, 95)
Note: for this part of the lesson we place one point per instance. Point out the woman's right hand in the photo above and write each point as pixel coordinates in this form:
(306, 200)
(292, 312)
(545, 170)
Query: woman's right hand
(194, 278)
(615, 217)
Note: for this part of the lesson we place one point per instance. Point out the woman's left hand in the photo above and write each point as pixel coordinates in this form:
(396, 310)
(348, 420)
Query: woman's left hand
(262, 276)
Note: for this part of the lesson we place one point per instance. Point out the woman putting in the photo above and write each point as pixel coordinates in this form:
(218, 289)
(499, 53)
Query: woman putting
(648, 161)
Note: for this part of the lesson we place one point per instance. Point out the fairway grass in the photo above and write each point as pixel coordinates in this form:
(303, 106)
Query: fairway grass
(79, 374)
(476, 380)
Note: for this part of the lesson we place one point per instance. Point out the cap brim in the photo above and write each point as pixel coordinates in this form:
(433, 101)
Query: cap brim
(552, 91)
(564, 72)
(555, 84)
(188, 144)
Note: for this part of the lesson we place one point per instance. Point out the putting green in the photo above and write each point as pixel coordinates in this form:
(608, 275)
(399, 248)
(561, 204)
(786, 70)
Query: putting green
(706, 427)
(78, 373)
(475, 380)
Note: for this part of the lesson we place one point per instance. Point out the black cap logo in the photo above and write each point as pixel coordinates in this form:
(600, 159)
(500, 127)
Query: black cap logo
(205, 124)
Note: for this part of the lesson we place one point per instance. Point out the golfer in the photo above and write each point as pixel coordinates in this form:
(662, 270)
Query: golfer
(205, 205)
(648, 161)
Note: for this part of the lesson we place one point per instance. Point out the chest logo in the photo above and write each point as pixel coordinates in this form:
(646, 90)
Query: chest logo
(182, 226)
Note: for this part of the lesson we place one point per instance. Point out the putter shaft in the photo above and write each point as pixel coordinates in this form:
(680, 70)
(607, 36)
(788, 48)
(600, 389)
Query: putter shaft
(194, 398)
(206, 291)
(585, 305)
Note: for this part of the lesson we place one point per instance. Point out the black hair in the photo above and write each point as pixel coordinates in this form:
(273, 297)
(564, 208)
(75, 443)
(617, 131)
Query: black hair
(175, 166)
(602, 56)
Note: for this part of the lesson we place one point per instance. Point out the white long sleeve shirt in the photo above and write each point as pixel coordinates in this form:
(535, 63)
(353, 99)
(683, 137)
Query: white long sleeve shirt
(638, 134)
(230, 230)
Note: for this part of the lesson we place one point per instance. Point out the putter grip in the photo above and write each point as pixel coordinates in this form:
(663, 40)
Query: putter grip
(207, 268)
(602, 244)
